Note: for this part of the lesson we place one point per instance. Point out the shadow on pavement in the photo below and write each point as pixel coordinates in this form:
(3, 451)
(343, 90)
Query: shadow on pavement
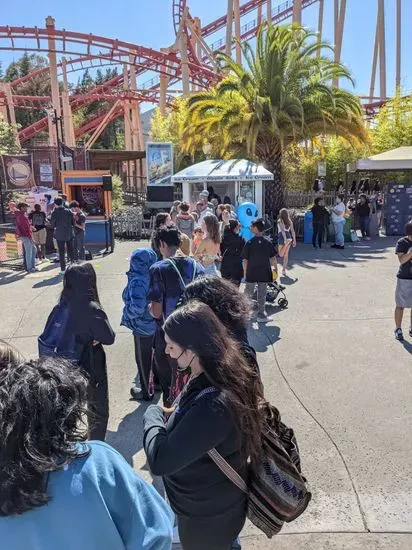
(49, 282)
(8, 277)
(262, 337)
(305, 256)
(128, 439)
(407, 346)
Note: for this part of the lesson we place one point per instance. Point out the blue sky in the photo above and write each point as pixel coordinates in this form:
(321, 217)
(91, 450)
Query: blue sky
(149, 23)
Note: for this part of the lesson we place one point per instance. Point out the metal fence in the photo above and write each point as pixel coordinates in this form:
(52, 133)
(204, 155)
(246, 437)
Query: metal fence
(130, 223)
(303, 199)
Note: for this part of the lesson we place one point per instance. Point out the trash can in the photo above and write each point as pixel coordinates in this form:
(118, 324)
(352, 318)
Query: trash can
(308, 227)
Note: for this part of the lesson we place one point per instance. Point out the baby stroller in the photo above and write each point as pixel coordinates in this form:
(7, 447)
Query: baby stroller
(274, 289)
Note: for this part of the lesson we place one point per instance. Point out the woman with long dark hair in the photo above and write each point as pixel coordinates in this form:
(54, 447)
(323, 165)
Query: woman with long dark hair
(233, 309)
(219, 408)
(231, 250)
(56, 491)
(92, 329)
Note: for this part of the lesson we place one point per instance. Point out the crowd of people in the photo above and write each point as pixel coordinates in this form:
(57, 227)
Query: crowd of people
(53, 415)
(367, 211)
(189, 330)
(191, 344)
(66, 221)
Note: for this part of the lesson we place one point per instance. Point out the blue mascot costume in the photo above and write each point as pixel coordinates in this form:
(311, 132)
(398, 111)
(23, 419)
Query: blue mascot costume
(246, 213)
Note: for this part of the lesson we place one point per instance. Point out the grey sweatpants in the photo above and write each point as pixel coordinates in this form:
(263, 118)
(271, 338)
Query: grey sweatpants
(261, 294)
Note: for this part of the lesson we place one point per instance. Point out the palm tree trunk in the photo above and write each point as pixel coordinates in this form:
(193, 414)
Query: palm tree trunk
(274, 190)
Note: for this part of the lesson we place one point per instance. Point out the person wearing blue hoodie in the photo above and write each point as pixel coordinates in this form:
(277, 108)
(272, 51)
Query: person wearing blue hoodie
(137, 318)
(58, 491)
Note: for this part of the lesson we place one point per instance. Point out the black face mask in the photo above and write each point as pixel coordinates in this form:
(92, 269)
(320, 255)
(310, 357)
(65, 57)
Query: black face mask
(182, 369)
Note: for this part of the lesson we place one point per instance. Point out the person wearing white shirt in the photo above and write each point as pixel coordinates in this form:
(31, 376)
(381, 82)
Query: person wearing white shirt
(338, 220)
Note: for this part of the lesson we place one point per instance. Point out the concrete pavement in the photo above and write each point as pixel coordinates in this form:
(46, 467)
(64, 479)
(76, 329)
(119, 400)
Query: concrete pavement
(329, 363)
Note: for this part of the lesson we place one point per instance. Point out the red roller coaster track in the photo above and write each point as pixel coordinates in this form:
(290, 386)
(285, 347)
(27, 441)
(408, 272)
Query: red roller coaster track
(83, 50)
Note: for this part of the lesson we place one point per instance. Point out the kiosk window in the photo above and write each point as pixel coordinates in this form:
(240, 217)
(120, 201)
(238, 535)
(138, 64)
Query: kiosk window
(90, 199)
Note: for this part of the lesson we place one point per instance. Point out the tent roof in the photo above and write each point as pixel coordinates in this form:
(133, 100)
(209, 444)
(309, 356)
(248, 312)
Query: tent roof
(396, 159)
(223, 170)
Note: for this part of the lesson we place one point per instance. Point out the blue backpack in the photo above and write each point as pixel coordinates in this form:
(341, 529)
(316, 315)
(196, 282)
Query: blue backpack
(57, 339)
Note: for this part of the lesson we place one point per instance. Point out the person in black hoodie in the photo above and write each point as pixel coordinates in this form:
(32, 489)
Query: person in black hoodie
(320, 217)
(89, 323)
(231, 249)
(219, 408)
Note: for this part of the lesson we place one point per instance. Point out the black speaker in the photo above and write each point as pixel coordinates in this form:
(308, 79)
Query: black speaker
(161, 193)
(107, 183)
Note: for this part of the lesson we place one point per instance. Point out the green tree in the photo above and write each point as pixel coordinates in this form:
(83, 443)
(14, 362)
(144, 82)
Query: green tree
(282, 95)
(392, 127)
(38, 85)
(117, 193)
(7, 141)
(170, 127)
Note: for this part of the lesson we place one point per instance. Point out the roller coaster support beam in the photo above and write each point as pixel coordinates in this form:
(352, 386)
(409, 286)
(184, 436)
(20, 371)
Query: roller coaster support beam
(269, 10)
(259, 15)
(340, 13)
(137, 138)
(382, 49)
(398, 44)
(229, 28)
(53, 75)
(101, 127)
(184, 60)
(375, 60)
(68, 129)
(127, 120)
(202, 45)
(320, 23)
(164, 81)
(236, 14)
(297, 12)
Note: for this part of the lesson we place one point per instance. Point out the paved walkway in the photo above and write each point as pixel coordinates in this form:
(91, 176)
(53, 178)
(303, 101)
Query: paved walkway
(329, 363)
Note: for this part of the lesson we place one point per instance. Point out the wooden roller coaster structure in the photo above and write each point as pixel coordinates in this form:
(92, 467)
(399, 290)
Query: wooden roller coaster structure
(189, 61)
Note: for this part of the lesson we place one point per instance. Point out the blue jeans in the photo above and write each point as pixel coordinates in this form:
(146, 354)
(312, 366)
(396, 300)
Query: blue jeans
(364, 222)
(29, 253)
(339, 238)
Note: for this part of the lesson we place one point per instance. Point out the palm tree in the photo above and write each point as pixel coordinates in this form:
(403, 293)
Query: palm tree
(283, 95)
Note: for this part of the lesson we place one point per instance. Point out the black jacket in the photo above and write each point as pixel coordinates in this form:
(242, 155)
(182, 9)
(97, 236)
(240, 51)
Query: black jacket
(62, 221)
(320, 215)
(88, 322)
(231, 250)
(177, 450)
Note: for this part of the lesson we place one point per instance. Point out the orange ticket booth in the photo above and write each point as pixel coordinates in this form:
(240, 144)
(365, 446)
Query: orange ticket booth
(92, 189)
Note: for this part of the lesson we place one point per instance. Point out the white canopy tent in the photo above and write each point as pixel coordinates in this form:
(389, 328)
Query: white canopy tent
(238, 179)
(395, 160)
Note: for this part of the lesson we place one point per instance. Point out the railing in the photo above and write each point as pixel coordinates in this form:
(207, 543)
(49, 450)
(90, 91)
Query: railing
(303, 199)
(130, 223)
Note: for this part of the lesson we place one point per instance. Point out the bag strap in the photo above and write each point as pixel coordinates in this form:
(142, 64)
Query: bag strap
(227, 469)
(171, 262)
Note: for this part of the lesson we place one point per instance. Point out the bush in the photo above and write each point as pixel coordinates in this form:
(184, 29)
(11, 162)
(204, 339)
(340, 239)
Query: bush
(117, 193)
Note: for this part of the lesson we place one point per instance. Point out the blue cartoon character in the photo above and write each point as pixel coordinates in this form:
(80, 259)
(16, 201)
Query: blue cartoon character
(246, 213)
